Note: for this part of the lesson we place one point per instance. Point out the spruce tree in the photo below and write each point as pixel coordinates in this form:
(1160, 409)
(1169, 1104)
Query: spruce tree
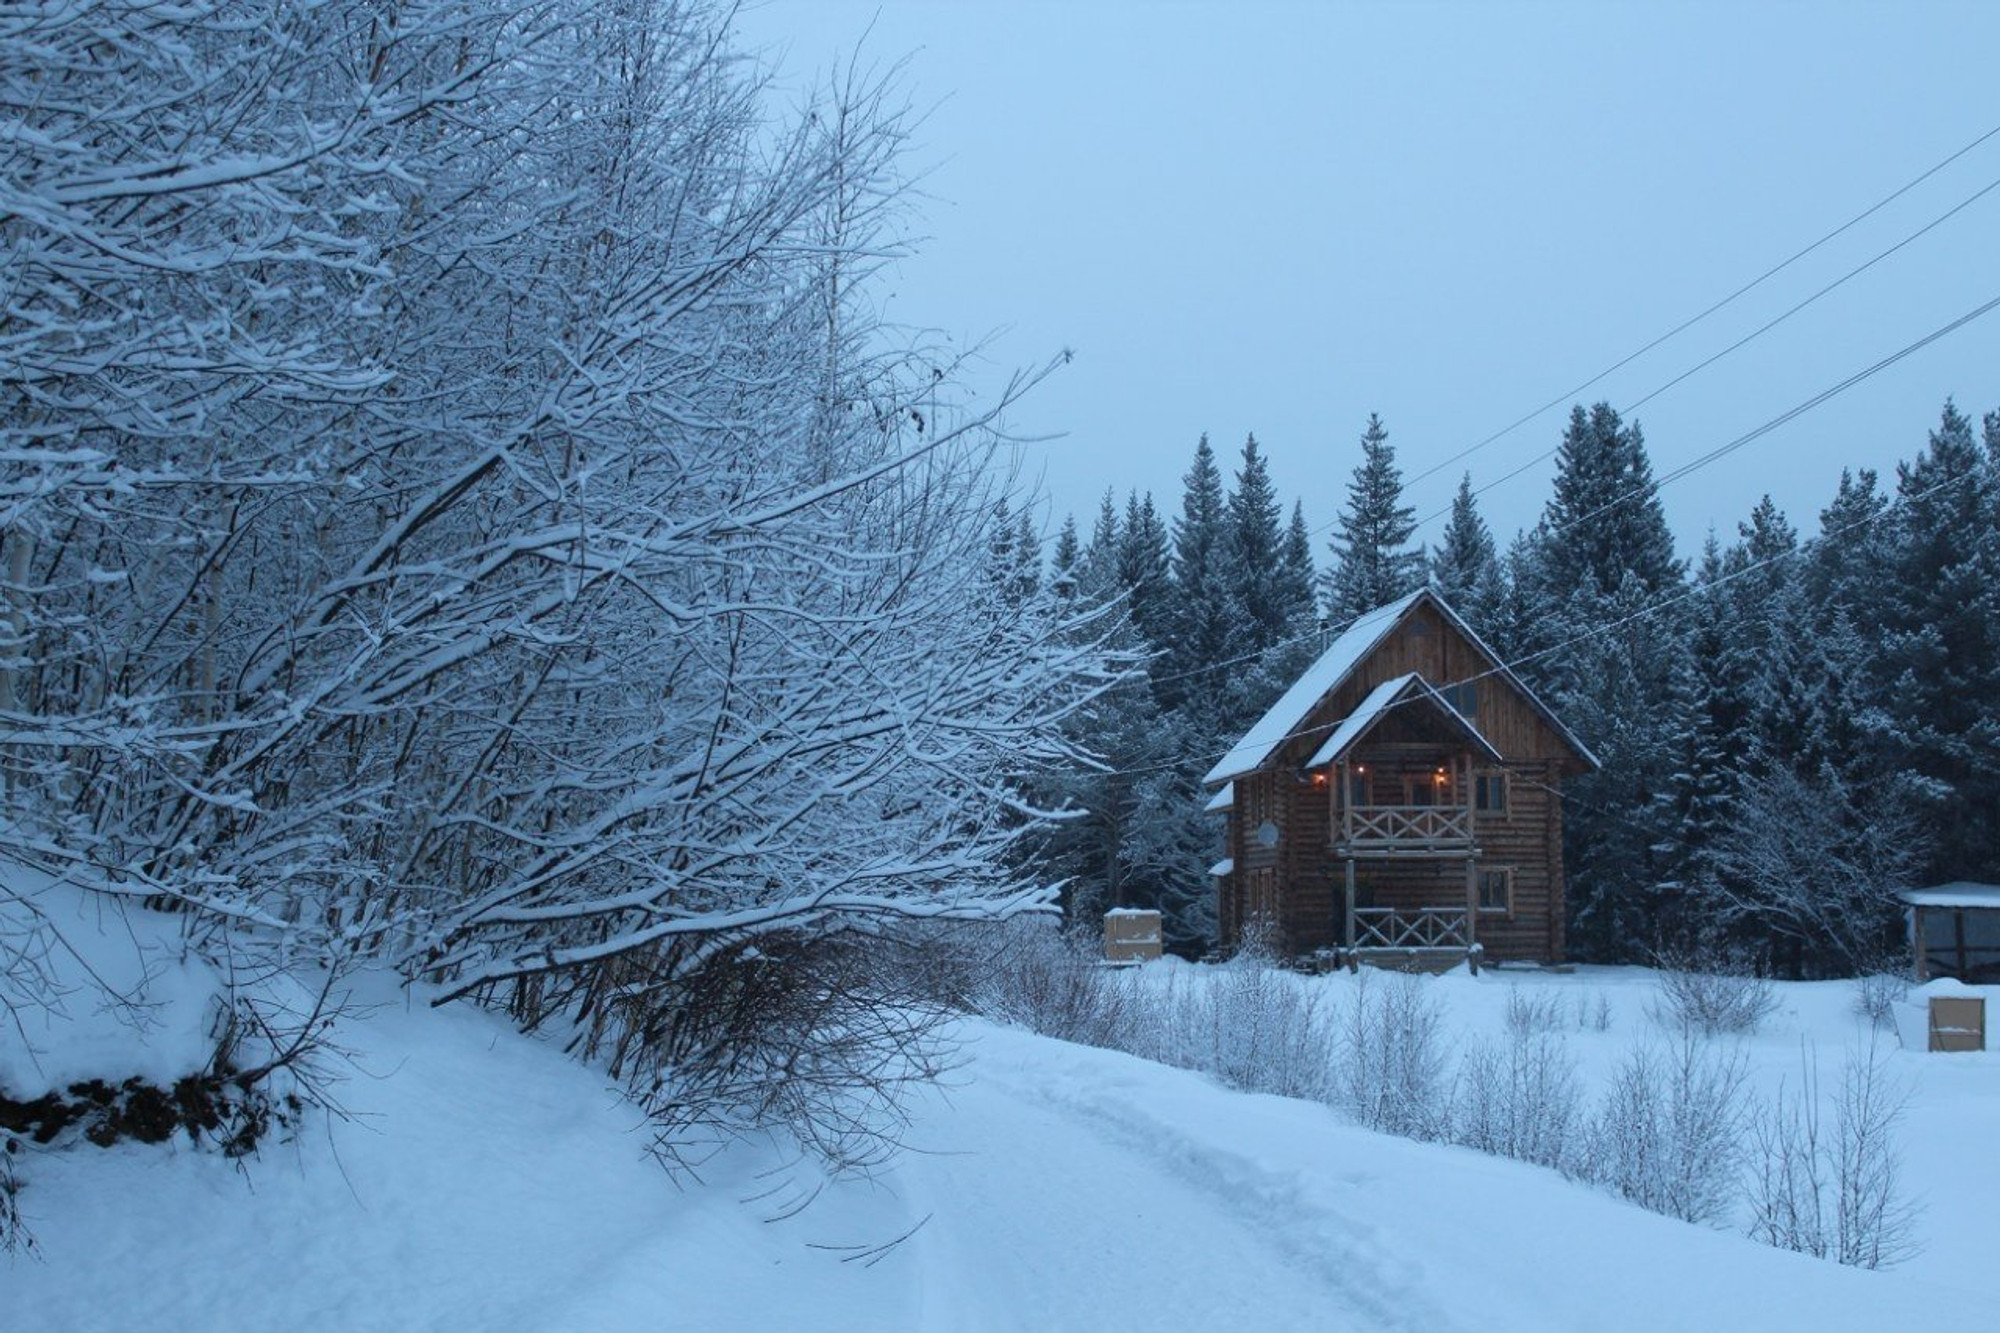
(1846, 565)
(1604, 521)
(1201, 590)
(1938, 673)
(1142, 564)
(1027, 557)
(1588, 591)
(1100, 557)
(1295, 576)
(1373, 563)
(1065, 562)
(1465, 567)
(1254, 549)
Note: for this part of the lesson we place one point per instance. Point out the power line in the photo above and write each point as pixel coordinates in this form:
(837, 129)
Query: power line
(1690, 322)
(1694, 465)
(1747, 338)
(1508, 667)
(1832, 391)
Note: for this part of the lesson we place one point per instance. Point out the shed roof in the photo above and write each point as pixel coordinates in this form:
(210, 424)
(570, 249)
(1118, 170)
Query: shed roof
(1222, 800)
(1961, 893)
(1390, 694)
(1281, 721)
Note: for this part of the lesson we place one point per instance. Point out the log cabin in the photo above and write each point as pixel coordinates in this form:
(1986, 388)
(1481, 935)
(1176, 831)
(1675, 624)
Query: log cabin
(1401, 803)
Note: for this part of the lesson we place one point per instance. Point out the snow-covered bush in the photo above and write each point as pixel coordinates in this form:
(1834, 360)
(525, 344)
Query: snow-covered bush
(15, 1238)
(1876, 995)
(1519, 1099)
(1391, 1057)
(1713, 992)
(1667, 1133)
(1268, 1030)
(1054, 982)
(1833, 1193)
(1531, 1012)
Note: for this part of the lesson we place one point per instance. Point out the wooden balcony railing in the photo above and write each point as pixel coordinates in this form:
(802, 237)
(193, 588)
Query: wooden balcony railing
(1394, 826)
(1412, 928)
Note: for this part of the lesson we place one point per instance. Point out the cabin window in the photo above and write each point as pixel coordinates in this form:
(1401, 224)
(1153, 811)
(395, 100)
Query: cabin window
(1464, 697)
(1496, 890)
(1489, 793)
(1255, 796)
(1420, 790)
(1357, 789)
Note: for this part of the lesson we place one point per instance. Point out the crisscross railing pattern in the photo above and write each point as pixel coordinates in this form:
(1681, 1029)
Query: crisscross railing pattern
(1411, 928)
(1390, 824)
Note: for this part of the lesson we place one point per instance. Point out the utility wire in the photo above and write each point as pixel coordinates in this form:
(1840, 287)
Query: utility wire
(1690, 322)
(1754, 334)
(1694, 465)
(1507, 667)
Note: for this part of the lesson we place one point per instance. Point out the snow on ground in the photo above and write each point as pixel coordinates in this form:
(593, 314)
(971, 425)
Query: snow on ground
(487, 1182)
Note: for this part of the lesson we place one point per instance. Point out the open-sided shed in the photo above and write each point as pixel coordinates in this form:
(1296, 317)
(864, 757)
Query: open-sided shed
(1955, 931)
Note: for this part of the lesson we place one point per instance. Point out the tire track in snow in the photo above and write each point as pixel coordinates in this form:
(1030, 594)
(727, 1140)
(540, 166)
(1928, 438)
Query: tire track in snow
(1289, 1210)
(1040, 1220)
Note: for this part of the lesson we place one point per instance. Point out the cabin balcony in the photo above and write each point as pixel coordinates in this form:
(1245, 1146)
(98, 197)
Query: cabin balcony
(1407, 830)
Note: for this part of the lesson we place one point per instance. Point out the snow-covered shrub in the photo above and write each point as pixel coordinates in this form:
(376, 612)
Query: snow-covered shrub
(1249, 1023)
(1270, 1032)
(1873, 1219)
(1519, 1099)
(1530, 1012)
(1713, 992)
(15, 1238)
(1833, 1194)
(1788, 1187)
(815, 1035)
(1054, 982)
(1876, 995)
(1391, 1057)
(1667, 1134)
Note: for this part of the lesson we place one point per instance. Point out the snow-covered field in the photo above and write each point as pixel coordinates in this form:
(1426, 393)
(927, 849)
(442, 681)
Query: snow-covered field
(485, 1181)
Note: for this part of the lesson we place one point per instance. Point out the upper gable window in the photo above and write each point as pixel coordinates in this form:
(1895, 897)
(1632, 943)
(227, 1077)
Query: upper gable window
(1463, 696)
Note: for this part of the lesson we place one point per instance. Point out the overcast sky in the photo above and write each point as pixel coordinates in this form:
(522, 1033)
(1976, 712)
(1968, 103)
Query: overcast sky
(1280, 217)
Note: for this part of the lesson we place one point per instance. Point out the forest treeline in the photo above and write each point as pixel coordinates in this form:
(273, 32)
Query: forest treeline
(1792, 726)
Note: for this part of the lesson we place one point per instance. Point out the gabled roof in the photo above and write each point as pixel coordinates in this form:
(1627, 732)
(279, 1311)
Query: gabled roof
(1282, 720)
(1390, 694)
(1322, 678)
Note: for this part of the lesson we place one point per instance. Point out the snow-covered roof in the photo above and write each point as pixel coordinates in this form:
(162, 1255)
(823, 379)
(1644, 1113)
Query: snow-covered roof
(1222, 800)
(1959, 894)
(1380, 700)
(1226, 866)
(1337, 663)
(1133, 911)
(1320, 679)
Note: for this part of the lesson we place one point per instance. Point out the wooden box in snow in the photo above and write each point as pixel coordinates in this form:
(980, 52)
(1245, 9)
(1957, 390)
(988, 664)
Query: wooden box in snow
(1131, 935)
(1958, 1023)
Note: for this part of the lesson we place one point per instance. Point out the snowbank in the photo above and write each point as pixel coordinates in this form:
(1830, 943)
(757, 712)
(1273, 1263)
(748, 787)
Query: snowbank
(486, 1181)
(125, 996)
